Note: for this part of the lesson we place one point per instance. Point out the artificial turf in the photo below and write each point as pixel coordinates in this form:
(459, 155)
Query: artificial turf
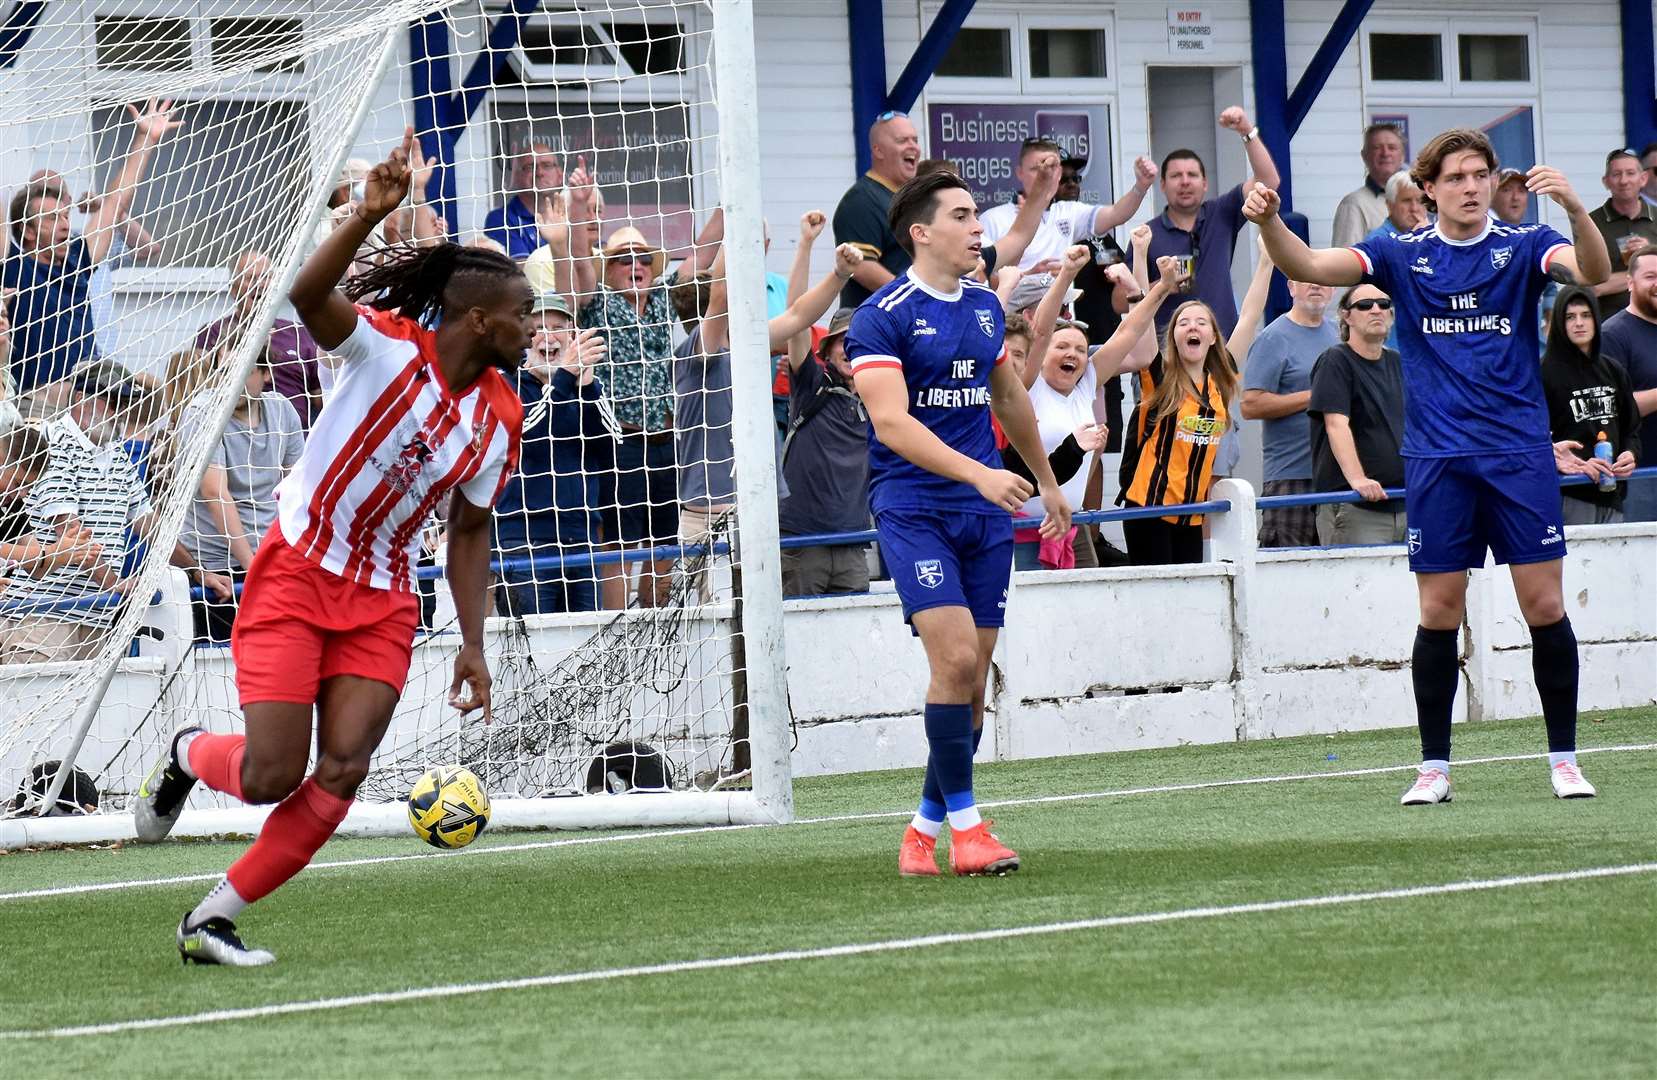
(1528, 980)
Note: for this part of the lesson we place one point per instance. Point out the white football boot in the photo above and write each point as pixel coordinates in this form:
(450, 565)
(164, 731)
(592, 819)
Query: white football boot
(1431, 787)
(1568, 782)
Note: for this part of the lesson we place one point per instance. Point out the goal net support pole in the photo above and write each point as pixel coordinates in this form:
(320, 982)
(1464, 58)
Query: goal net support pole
(695, 681)
(753, 435)
(251, 348)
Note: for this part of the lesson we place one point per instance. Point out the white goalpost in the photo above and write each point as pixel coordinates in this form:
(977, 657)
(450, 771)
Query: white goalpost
(169, 168)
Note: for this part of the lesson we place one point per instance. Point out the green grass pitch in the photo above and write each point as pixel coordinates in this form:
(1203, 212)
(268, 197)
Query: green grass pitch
(1549, 978)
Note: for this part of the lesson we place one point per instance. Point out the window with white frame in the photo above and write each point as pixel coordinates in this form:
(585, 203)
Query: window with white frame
(611, 87)
(1016, 73)
(1038, 51)
(206, 187)
(1426, 73)
(1435, 55)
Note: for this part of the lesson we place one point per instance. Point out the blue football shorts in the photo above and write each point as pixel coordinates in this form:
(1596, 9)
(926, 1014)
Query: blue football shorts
(1461, 507)
(949, 560)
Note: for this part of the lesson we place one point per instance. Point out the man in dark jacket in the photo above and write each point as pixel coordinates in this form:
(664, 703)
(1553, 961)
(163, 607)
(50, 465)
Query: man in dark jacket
(548, 508)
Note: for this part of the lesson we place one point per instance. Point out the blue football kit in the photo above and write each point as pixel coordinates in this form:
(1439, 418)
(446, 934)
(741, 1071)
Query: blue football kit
(944, 543)
(1478, 459)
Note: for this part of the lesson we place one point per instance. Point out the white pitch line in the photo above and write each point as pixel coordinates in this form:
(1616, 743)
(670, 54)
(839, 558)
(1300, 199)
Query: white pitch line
(867, 948)
(877, 815)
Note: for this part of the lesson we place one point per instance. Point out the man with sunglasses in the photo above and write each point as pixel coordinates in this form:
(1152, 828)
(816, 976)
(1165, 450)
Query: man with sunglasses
(1357, 414)
(860, 217)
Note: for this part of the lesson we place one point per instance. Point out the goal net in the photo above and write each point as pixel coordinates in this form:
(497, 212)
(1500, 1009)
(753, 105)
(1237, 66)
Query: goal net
(168, 170)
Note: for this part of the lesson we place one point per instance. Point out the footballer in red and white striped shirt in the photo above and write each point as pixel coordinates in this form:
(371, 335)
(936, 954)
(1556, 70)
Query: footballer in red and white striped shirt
(328, 613)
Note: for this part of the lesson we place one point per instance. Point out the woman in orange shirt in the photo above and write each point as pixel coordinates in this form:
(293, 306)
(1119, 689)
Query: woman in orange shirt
(1175, 435)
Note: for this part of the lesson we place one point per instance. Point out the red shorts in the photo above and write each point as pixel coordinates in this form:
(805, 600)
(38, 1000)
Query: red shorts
(300, 624)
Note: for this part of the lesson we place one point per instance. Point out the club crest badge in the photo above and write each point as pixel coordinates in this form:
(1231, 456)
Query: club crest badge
(1414, 538)
(986, 322)
(1500, 257)
(929, 572)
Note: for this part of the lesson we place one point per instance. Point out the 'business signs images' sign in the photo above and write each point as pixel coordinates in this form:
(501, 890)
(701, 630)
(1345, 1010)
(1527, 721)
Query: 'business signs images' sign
(983, 142)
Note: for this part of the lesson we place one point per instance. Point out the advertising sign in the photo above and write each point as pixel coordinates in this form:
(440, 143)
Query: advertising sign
(983, 142)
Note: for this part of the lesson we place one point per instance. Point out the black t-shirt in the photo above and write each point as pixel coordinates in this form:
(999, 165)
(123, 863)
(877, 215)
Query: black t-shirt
(1586, 397)
(1093, 307)
(860, 219)
(1370, 394)
(14, 521)
(827, 463)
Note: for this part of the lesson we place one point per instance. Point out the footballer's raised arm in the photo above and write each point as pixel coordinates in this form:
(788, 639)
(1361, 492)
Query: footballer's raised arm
(1290, 254)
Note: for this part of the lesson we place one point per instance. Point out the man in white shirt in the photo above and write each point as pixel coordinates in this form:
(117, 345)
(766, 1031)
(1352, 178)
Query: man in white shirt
(1065, 222)
(1362, 210)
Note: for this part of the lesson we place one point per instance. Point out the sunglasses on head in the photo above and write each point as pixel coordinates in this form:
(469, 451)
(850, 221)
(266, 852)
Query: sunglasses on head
(891, 114)
(1369, 302)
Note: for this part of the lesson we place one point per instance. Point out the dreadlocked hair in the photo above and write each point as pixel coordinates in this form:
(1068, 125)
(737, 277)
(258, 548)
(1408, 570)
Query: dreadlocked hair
(417, 281)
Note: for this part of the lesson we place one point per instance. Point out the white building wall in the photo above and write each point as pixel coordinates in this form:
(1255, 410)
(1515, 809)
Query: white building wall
(1579, 89)
(807, 156)
(1579, 113)
(808, 151)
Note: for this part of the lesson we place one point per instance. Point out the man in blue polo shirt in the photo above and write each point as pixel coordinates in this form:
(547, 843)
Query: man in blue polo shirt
(50, 267)
(537, 174)
(1205, 228)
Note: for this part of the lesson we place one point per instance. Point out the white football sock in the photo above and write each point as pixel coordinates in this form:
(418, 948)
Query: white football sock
(964, 819)
(181, 753)
(1561, 757)
(926, 827)
(224, 902)
(1441, 766)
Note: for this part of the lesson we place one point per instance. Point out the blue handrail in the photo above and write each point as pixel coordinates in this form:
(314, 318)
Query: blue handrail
(666, 552)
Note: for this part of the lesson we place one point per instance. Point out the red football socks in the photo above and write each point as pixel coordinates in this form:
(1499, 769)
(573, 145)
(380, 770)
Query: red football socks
(293, 833)
(216, 760)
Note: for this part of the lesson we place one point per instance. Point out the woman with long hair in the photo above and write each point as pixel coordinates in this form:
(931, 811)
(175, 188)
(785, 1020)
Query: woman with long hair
(1588, 396)
(1174, 438)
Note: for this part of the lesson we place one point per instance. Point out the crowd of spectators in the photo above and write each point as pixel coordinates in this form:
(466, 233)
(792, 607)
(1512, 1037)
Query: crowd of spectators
(628, 456)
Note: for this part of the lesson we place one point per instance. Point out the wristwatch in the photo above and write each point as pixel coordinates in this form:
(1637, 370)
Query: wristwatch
(1253, 133)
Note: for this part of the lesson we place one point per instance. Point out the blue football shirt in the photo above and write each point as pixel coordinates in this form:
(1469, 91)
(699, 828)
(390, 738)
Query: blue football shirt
(946, 346)
(1466, 318)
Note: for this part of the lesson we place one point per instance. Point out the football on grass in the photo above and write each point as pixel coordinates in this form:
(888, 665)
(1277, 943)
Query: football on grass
(448, 807)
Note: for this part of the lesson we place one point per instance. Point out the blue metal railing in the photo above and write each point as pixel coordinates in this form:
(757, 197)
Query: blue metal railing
(667, 552)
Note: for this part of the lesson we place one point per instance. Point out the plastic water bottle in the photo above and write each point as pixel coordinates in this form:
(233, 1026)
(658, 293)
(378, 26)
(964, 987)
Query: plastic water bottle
(1603, 451)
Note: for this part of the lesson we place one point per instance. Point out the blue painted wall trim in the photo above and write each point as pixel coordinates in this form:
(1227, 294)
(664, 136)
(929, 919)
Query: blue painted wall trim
(1280, 113)
(929, 54)
(441, 113)
(431, 83)
(503, 38)
(1340, 35)
(1639, 75)
(1269, 51)
(866, 27)
(20, 23)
